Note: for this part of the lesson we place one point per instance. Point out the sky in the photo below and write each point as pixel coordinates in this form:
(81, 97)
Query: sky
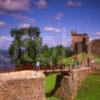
(55, 18)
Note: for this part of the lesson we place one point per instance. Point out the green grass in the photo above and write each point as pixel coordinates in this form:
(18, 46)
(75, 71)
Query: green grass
(49, 85)
(96, 59)
(50, 82)
(91, 90)
(52, 98)
(67, 61)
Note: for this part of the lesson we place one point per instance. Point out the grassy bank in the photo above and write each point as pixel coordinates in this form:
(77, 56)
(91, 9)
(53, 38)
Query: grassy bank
(49, 86)
(81, 56)
(91, 90)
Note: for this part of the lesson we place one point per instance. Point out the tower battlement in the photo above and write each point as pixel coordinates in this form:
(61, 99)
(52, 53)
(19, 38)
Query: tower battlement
(79, 42)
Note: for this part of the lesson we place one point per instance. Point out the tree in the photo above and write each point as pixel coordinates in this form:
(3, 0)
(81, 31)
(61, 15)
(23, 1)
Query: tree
(34, 43)
(26, 45)
(58, 53)
(45, 54)
(15, 47)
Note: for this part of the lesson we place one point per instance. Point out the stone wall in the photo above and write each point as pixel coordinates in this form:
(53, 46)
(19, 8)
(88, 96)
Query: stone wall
(94, 47)
(68, 85)
(97, 68)
(79, 42)
(23, 85)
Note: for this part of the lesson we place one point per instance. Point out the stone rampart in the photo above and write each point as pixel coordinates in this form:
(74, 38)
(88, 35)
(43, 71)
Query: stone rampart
(67, 87)
(22, 85)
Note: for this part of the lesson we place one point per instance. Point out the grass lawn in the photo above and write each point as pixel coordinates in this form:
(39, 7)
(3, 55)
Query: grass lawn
(67, 61)
(91, 91)
(49, 85)
(50, 82)
(52, 98)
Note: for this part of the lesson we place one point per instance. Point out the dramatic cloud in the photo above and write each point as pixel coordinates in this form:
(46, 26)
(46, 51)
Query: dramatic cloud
(52, 29)
(14, 5)
(58, 16)
(73, 3)
(2, 24)
(41, 4)
(5, 42)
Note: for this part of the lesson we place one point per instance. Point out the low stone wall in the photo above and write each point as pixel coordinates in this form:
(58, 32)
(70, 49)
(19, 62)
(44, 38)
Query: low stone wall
(67, 86)
(23, 85)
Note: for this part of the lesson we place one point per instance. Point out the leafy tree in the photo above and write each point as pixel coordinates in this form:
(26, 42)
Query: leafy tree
(26, 45)
(58, 53)
(15, 47)
(45, 54)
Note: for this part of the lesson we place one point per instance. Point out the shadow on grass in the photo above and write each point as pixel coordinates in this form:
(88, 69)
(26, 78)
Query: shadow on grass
(57, 85)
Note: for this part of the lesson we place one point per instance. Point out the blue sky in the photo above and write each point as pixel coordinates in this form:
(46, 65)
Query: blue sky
(55, 18)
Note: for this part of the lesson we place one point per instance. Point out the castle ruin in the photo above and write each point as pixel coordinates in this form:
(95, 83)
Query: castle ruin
(79, 42)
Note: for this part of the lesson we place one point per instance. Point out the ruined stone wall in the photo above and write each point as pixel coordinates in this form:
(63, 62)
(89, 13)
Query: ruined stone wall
(78, 38)
(77, 78)
(94, 53)
(94, 47)
(23, 85)
(79, 42)
(68, 86)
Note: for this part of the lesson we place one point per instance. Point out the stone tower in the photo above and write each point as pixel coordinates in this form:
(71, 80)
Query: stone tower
(79, 42)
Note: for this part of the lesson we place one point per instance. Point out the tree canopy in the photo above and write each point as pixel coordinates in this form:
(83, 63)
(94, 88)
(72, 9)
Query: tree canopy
(26, 45)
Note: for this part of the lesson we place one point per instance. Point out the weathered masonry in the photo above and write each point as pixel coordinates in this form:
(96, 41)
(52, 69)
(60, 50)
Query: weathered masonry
(22, 85)
(67, 86)
(79, 42)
